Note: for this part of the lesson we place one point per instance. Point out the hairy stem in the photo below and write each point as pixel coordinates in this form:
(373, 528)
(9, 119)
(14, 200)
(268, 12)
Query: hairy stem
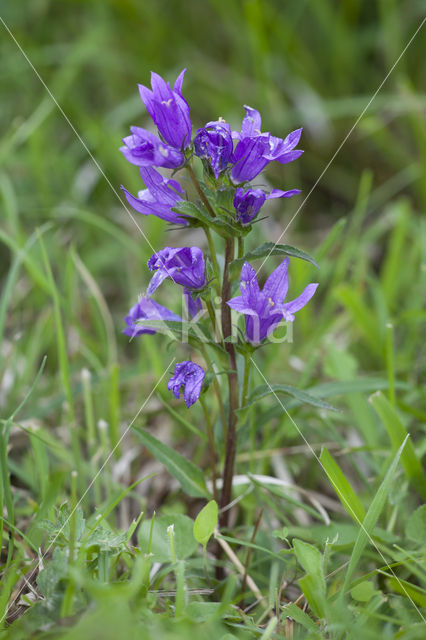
(231, 437)
(240, 247)
(246, 380)
(211, 445)
(214, 258)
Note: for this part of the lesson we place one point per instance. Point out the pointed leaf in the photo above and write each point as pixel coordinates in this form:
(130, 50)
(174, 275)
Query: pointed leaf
(347, 495)
(372, 516)
(206, 522)
(190, 477)
(304, 397)
(397, 433)
(271, 249)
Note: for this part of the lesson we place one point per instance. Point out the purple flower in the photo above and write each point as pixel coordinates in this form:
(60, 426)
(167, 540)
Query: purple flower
(169, 110)
(248, 203)
(256, 149)
(146, 309)
(265, 309)
(145, 149)
(184, 266)
(214, 143)
(158, 198)
(190, 376)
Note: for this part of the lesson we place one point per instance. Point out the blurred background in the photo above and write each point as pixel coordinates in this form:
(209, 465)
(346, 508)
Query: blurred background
(72, 262)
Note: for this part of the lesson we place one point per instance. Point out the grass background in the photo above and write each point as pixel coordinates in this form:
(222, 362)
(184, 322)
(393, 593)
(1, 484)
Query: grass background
(72, 262)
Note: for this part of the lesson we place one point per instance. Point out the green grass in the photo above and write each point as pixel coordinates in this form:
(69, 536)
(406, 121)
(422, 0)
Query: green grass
(72, 262)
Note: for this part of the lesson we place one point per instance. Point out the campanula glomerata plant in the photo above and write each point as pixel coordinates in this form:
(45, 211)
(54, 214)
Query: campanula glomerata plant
(226, 205)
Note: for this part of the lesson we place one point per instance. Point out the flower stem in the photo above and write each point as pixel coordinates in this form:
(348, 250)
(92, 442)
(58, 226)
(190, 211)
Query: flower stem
(211, 315)
(213, 257)
(231, 437)
(200, 191)
(211, 445)
(247, 360)
(240, 247)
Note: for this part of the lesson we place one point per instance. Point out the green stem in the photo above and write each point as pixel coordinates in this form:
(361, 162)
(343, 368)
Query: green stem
(213, 257)
(247, 360)
(211, 315)
(211, 445)
(200, 191)
(231, 437)
(240, 247)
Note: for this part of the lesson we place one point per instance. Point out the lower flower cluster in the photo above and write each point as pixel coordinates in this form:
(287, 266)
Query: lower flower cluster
(228, 205)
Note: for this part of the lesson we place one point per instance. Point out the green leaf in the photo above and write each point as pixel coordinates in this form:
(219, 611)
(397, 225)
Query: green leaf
(196, 334)
(313, 584)
(364, 591)
(304, 397)
(397, 433)
(55, 571)
(372, 516)
(347, 495)
(184, 541)
(203, 611)
(221, 226)
(291, 610)
(416, 525)
(206, 522)
(269, 248)
(190, 477)
(404, 588)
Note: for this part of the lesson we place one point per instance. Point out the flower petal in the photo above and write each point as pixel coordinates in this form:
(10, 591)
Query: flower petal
(239, 305)
(299, 302)
(249, 286)
(292, 139)
(251, 124)
(290, 156)
(276, 286)
(278, 193)
(158, 278)
(178, 83)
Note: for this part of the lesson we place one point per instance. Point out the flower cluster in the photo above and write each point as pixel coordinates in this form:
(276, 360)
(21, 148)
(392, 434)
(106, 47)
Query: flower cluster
(228, 205)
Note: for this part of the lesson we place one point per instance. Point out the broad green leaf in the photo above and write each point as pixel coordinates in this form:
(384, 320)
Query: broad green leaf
(54, 571)
(184, 541)
(364, 591)
(190, 477)
(206, 522)
(416, 525)
(397, 433)
(313, 583)
(269, 248)
(355, 385)
(291, 610)
(304, 397)
(347, 495)
(372, 516)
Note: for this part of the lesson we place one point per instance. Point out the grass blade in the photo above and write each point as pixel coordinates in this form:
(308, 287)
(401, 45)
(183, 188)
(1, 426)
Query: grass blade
(190, 477)
(397, 433)
(347, 495)
(372, 516)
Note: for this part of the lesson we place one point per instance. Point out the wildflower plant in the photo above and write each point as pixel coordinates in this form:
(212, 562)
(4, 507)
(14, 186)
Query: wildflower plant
(226, 206)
